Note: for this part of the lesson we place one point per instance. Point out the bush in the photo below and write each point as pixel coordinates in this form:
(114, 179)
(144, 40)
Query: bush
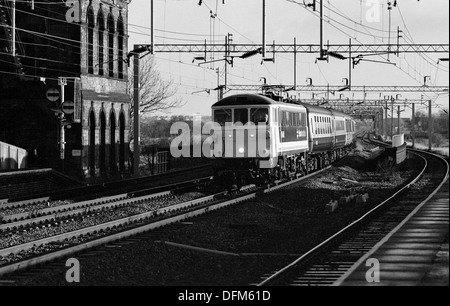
(437, 140)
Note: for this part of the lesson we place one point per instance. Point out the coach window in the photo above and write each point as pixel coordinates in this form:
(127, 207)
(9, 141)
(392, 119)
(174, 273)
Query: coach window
(315, 125)
(241, 115)
(303, 119)
(259, 115)
(221, 116)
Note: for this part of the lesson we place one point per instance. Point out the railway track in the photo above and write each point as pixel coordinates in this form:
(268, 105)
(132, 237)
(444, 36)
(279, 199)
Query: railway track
(50, 248)
(35, 214)
(328, 261)
(144, 185)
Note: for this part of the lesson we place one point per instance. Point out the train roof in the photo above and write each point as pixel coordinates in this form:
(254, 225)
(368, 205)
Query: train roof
(315, 109)
(338, 113)
(321, 110)
(247, 99)
(259, 99)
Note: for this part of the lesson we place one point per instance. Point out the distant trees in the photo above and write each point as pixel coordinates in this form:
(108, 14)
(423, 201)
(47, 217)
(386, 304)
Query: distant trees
(156, 94)
(155, 136)
(440, 123)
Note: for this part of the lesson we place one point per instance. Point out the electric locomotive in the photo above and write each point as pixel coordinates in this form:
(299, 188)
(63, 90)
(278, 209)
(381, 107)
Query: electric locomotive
(265, 139)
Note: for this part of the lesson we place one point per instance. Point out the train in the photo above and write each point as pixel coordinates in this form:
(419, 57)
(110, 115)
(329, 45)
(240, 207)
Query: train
(266, 138)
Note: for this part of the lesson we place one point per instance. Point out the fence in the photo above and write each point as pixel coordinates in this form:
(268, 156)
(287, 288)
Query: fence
(159, 160)
(12, 158)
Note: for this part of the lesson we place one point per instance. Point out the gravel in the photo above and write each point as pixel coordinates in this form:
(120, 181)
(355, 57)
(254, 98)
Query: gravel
(32, 208)
(79, 222)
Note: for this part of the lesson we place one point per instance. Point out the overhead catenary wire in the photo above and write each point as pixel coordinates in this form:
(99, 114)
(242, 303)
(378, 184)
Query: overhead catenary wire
(315, 14)
(193, 40)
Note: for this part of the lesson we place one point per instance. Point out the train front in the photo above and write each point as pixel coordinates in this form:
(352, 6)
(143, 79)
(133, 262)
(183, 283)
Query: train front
(246, 145)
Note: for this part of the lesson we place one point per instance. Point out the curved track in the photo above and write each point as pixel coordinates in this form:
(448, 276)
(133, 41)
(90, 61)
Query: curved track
(327, 262)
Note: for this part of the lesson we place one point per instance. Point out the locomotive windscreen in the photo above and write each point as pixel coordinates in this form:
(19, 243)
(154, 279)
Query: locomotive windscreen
(259, 115)
(241, 115)
(221, 116)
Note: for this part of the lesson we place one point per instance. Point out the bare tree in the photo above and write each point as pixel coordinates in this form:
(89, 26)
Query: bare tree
(156, 94)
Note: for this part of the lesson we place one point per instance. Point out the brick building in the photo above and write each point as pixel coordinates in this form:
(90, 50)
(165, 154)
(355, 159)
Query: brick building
(84, 42)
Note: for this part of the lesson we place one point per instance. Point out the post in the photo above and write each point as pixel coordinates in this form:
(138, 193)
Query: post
(220, 92)
(321, 30)
(377, 124)
(152, 13)
(386, 120)
(389, 37)
(62, 141)
(398, 119)
(62, 132)
(295, 63)
(392, 118)
(14, 28)
(264, 30)
(430, 125)
(219, 97)
(226, 62)
(413, 125)
(382, 120)
(350, 65)
(137, 139)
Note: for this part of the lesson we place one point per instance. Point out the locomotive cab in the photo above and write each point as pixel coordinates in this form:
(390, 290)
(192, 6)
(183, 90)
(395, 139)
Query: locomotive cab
(245, 132)
(248, 147)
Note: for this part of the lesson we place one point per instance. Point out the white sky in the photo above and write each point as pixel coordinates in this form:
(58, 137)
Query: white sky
(184, 21)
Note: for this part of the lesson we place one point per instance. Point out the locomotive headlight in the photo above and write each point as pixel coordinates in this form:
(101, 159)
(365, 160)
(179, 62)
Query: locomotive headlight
(252, 136)
(241, 150)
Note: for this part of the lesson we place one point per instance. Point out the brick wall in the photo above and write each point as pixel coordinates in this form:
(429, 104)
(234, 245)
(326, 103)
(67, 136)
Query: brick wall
(103, 93)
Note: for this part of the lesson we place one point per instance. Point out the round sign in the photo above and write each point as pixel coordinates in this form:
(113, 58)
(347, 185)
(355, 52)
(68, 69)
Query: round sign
(53, 94)
(68, 107)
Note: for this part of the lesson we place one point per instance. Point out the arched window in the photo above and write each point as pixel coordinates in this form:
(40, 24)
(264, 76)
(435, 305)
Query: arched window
(92, 143)
(111, 32)
(112, 147)
(122, 142)
(102, 142)
(101, 30)
(121, 32)
(90, 38)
